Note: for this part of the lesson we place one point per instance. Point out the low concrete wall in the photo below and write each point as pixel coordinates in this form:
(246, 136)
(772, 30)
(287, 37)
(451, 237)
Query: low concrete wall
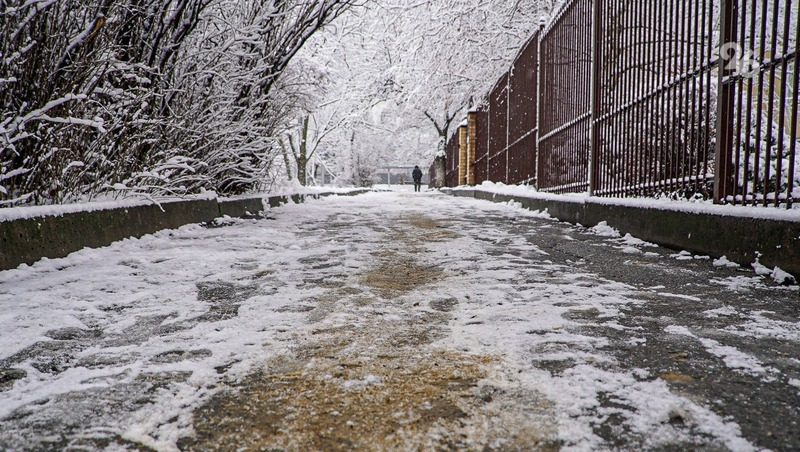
(741, 239)
(241, 208)
(25, 241)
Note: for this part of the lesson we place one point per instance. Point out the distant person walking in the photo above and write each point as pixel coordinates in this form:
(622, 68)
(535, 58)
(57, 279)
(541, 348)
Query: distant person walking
(417, 175)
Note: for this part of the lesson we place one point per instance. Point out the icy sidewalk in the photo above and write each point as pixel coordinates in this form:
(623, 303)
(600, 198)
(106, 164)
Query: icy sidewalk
(395, 320)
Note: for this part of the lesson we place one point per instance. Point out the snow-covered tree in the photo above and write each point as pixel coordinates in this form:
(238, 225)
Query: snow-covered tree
(145, 95)
(403, 72)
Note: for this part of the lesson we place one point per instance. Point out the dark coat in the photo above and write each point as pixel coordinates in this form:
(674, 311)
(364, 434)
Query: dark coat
(417, 174)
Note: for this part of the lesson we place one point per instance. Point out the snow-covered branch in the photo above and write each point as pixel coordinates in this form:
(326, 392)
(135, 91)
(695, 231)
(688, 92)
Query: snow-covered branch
(173, 95)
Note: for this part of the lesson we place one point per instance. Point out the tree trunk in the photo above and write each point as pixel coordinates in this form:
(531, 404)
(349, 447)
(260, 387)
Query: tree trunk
(301, 169)
(302, 152)
(439, 169)
(285, 154)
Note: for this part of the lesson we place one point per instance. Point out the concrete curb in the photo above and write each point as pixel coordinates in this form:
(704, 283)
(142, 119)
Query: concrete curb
(741, 239)
(25, 241)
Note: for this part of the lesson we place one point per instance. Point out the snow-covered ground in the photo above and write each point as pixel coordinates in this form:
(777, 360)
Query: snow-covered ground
(680, 205)
(590, 339)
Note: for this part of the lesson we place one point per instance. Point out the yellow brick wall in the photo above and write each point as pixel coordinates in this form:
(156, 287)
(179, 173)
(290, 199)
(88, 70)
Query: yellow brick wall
(462, 155)
(472, 146)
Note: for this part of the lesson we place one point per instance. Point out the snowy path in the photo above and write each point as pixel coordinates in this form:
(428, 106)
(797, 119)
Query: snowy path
(395, 320)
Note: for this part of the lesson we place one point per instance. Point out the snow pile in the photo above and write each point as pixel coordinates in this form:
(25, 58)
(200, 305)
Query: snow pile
(633, 241)
(604, 230)
(724, 262)
(777, 274)
(517, 206)
(687, 256)
(760, 269)
(782, 277)
(225, 220)
(631, 244)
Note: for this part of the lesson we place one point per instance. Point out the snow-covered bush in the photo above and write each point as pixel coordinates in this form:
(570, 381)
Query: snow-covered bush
(144, 96)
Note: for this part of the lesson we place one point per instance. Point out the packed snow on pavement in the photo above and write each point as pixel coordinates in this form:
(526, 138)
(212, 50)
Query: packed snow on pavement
(128, 341)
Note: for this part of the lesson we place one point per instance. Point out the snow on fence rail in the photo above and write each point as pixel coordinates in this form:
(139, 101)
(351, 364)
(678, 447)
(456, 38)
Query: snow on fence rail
(621, 98)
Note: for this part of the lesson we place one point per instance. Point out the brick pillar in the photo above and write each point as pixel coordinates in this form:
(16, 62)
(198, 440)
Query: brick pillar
(472, 146)
(462, 155)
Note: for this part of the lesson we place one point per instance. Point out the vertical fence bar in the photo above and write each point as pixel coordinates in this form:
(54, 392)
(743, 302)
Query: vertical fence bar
(696, 63)
(541, 118)
(488, 135)
(651, 115)
(687, 154)
(782, 105)
(561, 102)
(660, 101)
(709, 51)
(624, 91)
(749, 111)
(760, 106)
(630, 59)
(686, 131)
(794, 121)
(615, 148)
(674, 55)
(770, 103)
(538, 94)
(508, 120)
(737, 137)
(669, 148)
(638, 23)
(573, 104)
(596, 95)
(638, 113)
(723, 173)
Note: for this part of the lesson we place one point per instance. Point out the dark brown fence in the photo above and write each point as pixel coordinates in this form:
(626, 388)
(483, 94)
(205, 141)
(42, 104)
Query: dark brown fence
(498, 129)
(522, 108)
(761, 111)
(657, 103)
(565, 111)
(654, 97)
(482, 146)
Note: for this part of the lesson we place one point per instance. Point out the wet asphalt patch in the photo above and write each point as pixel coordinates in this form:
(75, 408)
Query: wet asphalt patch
(679, 292)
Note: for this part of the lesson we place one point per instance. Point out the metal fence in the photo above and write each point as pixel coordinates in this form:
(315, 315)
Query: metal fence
(685, 98)
(498, 129)
(565, 108)
(760, 111)
(656, 107)
(522, 107)
(481, 135)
